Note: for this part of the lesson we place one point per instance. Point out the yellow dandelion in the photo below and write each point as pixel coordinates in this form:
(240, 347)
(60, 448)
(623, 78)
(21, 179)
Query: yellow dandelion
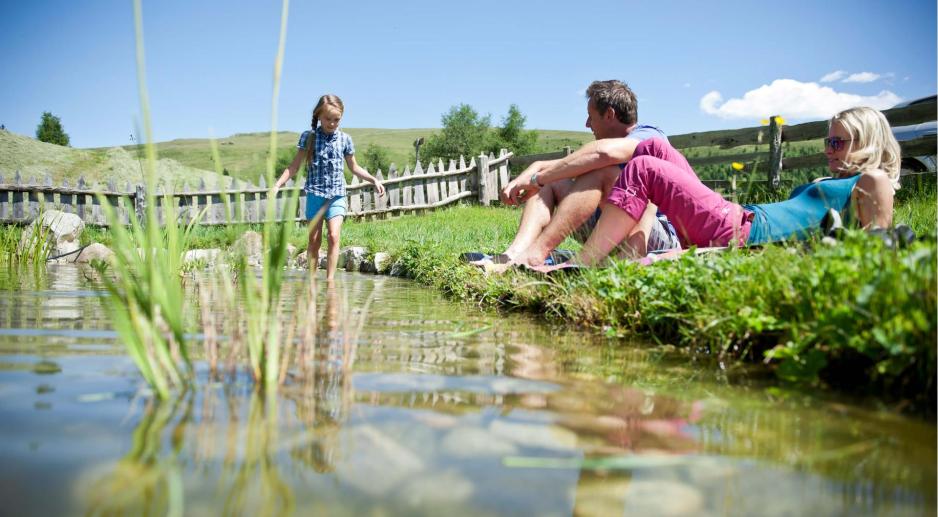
(738, 166)
(764, 122)
(780, 121)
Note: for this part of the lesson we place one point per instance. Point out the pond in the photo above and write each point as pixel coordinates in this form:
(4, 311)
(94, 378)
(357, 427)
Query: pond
(416, 406)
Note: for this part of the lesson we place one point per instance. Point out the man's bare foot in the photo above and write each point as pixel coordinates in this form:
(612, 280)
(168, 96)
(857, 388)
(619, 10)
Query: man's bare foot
(496, 269)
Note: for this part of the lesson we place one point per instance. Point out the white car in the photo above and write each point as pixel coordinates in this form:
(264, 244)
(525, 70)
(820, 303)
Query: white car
(925, 163)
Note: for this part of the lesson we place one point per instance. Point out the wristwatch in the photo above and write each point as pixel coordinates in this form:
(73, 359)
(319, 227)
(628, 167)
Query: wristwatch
(534, 181)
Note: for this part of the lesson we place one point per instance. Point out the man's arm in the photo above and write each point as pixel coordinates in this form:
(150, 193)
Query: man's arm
(592, 156)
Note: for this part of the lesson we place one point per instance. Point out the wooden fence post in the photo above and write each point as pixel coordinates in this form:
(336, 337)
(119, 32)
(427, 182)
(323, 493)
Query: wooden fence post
(140, 204)
(503, 175)
(483, 182)
(381, 202)
(775, 152)
(394, 191)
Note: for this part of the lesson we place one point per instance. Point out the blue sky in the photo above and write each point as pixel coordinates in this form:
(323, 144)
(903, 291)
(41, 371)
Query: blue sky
(694, 65)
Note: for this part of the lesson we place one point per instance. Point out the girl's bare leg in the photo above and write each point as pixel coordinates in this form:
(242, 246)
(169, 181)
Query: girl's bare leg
(335, 233)
(315, 241)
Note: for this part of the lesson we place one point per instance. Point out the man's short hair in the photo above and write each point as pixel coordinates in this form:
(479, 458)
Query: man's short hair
(616, 95)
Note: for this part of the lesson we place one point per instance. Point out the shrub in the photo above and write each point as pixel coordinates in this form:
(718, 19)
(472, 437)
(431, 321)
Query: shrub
(50, 130)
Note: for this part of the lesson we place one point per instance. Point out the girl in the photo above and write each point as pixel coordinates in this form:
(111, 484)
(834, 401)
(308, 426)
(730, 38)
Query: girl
(862, 155)
(324, 147)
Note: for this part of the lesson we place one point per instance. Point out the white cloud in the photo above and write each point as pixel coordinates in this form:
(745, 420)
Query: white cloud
(792, 99)
(862, 77)
(833, 76)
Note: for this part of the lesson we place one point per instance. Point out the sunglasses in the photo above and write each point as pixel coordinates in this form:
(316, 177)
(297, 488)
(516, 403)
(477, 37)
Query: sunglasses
(835, 143)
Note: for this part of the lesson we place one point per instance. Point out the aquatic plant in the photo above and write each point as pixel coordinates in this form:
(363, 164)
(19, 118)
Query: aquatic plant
(147, 302)
(261, 298)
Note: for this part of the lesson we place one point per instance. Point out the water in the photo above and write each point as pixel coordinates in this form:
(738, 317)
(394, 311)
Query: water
(431, 408)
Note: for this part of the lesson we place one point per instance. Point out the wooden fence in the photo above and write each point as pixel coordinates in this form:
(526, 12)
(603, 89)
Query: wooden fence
(773, 161)
(409, 191)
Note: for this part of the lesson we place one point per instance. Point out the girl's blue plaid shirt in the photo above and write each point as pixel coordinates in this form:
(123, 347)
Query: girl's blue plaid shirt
(325, 172)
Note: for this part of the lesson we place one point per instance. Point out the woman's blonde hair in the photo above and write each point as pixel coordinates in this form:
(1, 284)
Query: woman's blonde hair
(873, 146)
(326, 100)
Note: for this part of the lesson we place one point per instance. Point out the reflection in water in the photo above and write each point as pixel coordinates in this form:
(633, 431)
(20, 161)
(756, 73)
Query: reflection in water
(397, 403)
(322, 394)
(148, 480)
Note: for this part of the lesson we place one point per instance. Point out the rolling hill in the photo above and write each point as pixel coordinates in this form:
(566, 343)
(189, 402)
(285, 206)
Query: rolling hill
(186, 161)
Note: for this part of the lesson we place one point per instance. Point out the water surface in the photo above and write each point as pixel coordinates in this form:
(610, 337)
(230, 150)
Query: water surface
(430, 407)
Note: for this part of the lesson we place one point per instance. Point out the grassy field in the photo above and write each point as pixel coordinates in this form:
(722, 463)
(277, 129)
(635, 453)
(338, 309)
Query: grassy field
(243, 156)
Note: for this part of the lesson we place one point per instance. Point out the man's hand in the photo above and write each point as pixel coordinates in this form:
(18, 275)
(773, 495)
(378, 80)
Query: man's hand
(520, 189)
(379, 188)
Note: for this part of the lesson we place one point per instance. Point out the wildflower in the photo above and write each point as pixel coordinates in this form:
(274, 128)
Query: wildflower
(738, 166)
(764, 122)
(779, 120)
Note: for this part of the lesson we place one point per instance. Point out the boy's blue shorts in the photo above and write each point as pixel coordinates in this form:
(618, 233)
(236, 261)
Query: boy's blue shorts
(337, 206)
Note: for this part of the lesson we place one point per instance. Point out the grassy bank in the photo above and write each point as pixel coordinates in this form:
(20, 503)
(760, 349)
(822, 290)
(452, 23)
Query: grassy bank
(858, 315)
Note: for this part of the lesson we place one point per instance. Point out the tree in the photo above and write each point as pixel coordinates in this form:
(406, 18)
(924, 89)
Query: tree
(50, 130)
(376, 157)
(513, 136)
(464, 133)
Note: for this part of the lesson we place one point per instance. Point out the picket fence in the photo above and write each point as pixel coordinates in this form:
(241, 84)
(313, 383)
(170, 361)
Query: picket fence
(407, 191)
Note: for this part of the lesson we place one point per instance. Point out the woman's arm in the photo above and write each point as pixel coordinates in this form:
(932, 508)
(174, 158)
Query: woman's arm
(291, 169)
(363, 174)
(873, 199)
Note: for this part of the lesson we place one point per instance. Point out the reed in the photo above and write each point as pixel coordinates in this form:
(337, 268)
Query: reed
(147, 302)
(261, 297)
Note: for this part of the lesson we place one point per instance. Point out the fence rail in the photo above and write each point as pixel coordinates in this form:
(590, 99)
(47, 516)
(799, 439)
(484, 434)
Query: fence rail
(408, 191)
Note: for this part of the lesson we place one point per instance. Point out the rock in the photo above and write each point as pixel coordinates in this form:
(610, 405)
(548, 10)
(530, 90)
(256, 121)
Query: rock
(653, 497)
(398, 269)
(251, 245)
(94, 251)
(301, 260)
(433, 489)
(354, 256)
(291, 256)
(61, 232)
(546, 436)
(324, 259)
(382, 262)
(473, 442)
(209, 256)
(387, 465)
(367, 266)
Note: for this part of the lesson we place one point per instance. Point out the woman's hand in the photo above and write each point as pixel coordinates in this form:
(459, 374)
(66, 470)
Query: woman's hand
(379, 188)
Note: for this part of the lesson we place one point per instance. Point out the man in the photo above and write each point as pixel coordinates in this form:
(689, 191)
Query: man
(562, 196)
